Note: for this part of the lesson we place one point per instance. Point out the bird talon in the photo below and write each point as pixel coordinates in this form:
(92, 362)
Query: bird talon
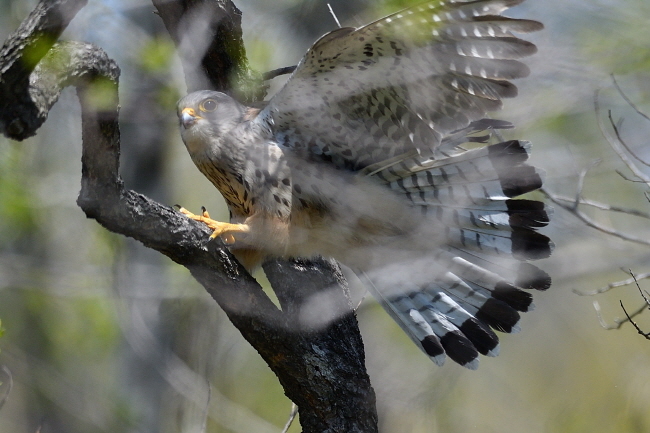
(220, 229)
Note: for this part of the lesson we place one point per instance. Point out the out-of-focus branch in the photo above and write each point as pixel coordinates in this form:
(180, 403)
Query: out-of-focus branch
(572, 205)
(321, 368)
(618, 322)
(618, 144)
(209, 39)
(629, 101)
(10, 384)
(277, 72)
(613, 285)
(647, 305)
(22, 110)
(570, 201)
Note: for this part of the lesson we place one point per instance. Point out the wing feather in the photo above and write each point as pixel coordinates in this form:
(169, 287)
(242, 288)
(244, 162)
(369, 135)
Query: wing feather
(402, 83)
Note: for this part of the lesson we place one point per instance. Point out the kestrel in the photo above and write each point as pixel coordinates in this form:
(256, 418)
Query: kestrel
(376, 153)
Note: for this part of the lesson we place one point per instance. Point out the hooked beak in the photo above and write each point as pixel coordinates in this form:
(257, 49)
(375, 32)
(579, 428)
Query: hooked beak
(188, 117)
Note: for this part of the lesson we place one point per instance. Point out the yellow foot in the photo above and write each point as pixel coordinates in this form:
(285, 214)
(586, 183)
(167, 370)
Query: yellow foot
(223, 230)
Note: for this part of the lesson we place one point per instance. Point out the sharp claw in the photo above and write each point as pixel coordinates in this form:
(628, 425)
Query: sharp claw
(228, 239)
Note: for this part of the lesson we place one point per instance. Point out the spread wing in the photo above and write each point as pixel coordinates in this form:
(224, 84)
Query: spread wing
(401, 84)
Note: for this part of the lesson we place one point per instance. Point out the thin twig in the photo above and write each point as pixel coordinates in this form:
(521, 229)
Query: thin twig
(613, 285)
(590, 222)
(617, 131)
(9, 387)
(206, 409)
(627, 178)
(618, 322)
(616, 144)
(628, 100)
(277, 72)
(643, 295)
(629, 318)
(292, 416)
(605, 207)
(581, 184)
(338, 23)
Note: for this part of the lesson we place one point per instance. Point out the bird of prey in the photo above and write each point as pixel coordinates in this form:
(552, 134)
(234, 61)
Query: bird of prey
(378, 152)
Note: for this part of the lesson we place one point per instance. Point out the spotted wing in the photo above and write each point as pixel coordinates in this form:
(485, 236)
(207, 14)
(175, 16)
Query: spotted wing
(402, 83)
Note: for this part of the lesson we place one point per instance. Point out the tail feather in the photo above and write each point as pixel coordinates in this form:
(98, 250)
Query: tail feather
(478, 300)
(475, 193)
(436, 333)
(501, 215)
(404, 312)
(439, 312)
(482, 337)
(477, 275)
(452, 318)
(521, 244)
(520, 274)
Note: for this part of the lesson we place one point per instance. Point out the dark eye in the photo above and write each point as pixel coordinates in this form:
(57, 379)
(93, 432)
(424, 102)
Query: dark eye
(208, 105)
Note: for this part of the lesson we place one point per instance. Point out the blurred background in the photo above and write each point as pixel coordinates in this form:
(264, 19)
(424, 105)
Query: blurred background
(103, 335)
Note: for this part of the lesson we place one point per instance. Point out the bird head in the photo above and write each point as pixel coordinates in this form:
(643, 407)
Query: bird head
(206, 116)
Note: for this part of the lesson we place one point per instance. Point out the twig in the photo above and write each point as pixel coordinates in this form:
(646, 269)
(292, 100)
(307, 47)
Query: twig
(617, 322)
(615, 143)
(628, 100)
(616, 129)
(645, 298)
(590, 222)
(206, 409)
(9, 387)
(581, 184)
(605, 207)
(629, 318)
(338, 23)
(277, 72)
(626, 177)
(613, 285)
(292, 416)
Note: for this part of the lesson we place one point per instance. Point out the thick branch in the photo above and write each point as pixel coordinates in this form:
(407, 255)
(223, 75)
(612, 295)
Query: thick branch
(335, 355)
(19, 56)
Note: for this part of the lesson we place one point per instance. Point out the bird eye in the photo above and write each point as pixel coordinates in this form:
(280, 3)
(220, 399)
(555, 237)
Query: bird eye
(208, 105)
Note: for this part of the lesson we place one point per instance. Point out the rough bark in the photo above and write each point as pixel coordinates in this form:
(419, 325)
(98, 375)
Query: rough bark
(321, 368)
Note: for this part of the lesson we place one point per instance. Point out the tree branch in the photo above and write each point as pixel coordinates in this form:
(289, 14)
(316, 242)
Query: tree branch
(209, 39)
(20, 54)
(320, 367)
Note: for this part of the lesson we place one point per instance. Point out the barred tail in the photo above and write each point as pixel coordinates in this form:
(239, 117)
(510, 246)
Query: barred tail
(478, 271)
